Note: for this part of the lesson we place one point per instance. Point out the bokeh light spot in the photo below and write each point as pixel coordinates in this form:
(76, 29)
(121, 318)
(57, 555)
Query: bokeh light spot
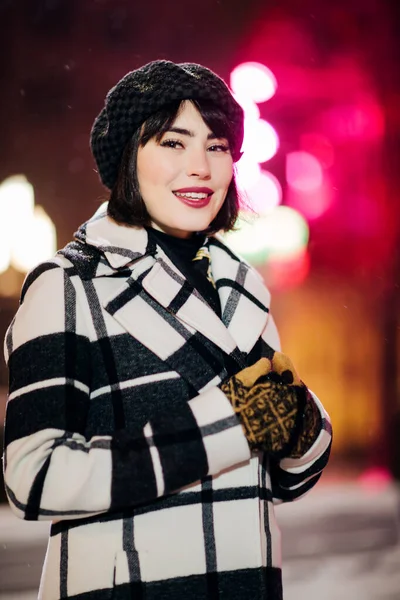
(254, 81)
(261, 141)
(17, 199)
(5, 252)
(27, 234)
(303, 171)
(247, 173)
(312, 204)
(287, 232)
(35, 241)
(265, 194)
(249, 239)
(251, 110)
(375, 479)
(281, 234)
(288, 272)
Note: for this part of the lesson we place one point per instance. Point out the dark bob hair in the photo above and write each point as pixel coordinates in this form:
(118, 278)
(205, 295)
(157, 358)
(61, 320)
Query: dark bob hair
(126, 206)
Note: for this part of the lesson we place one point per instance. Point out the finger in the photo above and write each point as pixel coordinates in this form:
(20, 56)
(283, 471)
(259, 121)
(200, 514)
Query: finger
(282, 365)
(250, 375)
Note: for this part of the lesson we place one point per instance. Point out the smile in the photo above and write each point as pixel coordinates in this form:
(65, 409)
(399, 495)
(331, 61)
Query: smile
(194, 199)
(194, 195)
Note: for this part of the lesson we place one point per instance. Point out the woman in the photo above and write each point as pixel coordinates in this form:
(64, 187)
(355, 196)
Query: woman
(151, 416)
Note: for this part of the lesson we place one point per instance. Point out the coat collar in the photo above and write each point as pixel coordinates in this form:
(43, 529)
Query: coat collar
(121, 245)
(243, 296)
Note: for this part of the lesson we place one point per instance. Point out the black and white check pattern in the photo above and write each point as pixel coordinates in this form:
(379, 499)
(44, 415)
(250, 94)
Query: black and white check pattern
(117, 431)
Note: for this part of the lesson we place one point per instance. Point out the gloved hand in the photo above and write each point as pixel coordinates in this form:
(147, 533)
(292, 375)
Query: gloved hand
(277, 412)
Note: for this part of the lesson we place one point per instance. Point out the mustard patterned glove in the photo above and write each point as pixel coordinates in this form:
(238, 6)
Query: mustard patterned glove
(277, 412)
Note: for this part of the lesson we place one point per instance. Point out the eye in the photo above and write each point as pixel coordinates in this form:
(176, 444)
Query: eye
(219, 148)
(171, 144)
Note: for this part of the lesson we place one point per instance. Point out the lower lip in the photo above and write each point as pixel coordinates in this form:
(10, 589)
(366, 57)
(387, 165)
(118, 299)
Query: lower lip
(200, 203)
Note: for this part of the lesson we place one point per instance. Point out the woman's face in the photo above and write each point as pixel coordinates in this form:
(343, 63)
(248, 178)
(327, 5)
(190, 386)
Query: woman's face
(184, 177)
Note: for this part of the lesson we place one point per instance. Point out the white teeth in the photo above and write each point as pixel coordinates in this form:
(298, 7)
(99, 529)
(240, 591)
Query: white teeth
(194, 195)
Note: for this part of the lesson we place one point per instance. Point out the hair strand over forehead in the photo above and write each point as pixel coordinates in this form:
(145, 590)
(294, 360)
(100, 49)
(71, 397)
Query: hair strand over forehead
(215, 119)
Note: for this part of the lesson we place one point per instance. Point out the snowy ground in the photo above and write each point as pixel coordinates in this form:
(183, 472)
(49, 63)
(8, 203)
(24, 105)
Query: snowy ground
(341, 542)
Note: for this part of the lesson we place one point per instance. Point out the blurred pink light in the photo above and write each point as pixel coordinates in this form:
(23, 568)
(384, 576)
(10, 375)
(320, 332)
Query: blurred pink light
(266, 194)
(254, 81)
(319, 146)
(303, 171)
(261, 141)
(251, 110)
(375, 479)
(311, 205)
(363, 121)
(247, 172)
(290, 272)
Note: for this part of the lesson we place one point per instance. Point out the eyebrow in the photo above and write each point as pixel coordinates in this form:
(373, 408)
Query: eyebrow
(211, 136)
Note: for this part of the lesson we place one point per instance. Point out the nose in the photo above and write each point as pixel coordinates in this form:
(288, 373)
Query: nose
(198, 164)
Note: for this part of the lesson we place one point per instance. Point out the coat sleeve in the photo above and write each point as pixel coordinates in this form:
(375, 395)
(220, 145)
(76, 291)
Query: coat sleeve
(291, 478)
(51, 470)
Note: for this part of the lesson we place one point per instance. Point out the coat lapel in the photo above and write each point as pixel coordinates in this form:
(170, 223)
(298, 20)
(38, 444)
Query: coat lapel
(157, 305)
(171, 290)
(244, 298)
(160, 310)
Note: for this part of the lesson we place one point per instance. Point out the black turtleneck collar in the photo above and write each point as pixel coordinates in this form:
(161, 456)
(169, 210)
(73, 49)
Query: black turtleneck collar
(182, 252)
(185, 248)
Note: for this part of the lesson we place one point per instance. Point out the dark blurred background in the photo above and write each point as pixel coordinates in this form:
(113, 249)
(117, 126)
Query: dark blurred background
(337, 65)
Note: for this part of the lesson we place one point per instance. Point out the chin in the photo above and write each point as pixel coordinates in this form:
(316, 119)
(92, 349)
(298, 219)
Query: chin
(191, 225)
(200, 225)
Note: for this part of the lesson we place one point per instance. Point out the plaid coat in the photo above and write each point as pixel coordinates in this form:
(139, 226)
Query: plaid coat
(117, 432)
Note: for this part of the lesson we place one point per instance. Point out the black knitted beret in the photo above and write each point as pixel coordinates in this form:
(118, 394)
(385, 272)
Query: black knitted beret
(143, 92)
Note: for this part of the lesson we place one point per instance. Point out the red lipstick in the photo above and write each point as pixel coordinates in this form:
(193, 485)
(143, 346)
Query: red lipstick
(196, 190)
(194, 202)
